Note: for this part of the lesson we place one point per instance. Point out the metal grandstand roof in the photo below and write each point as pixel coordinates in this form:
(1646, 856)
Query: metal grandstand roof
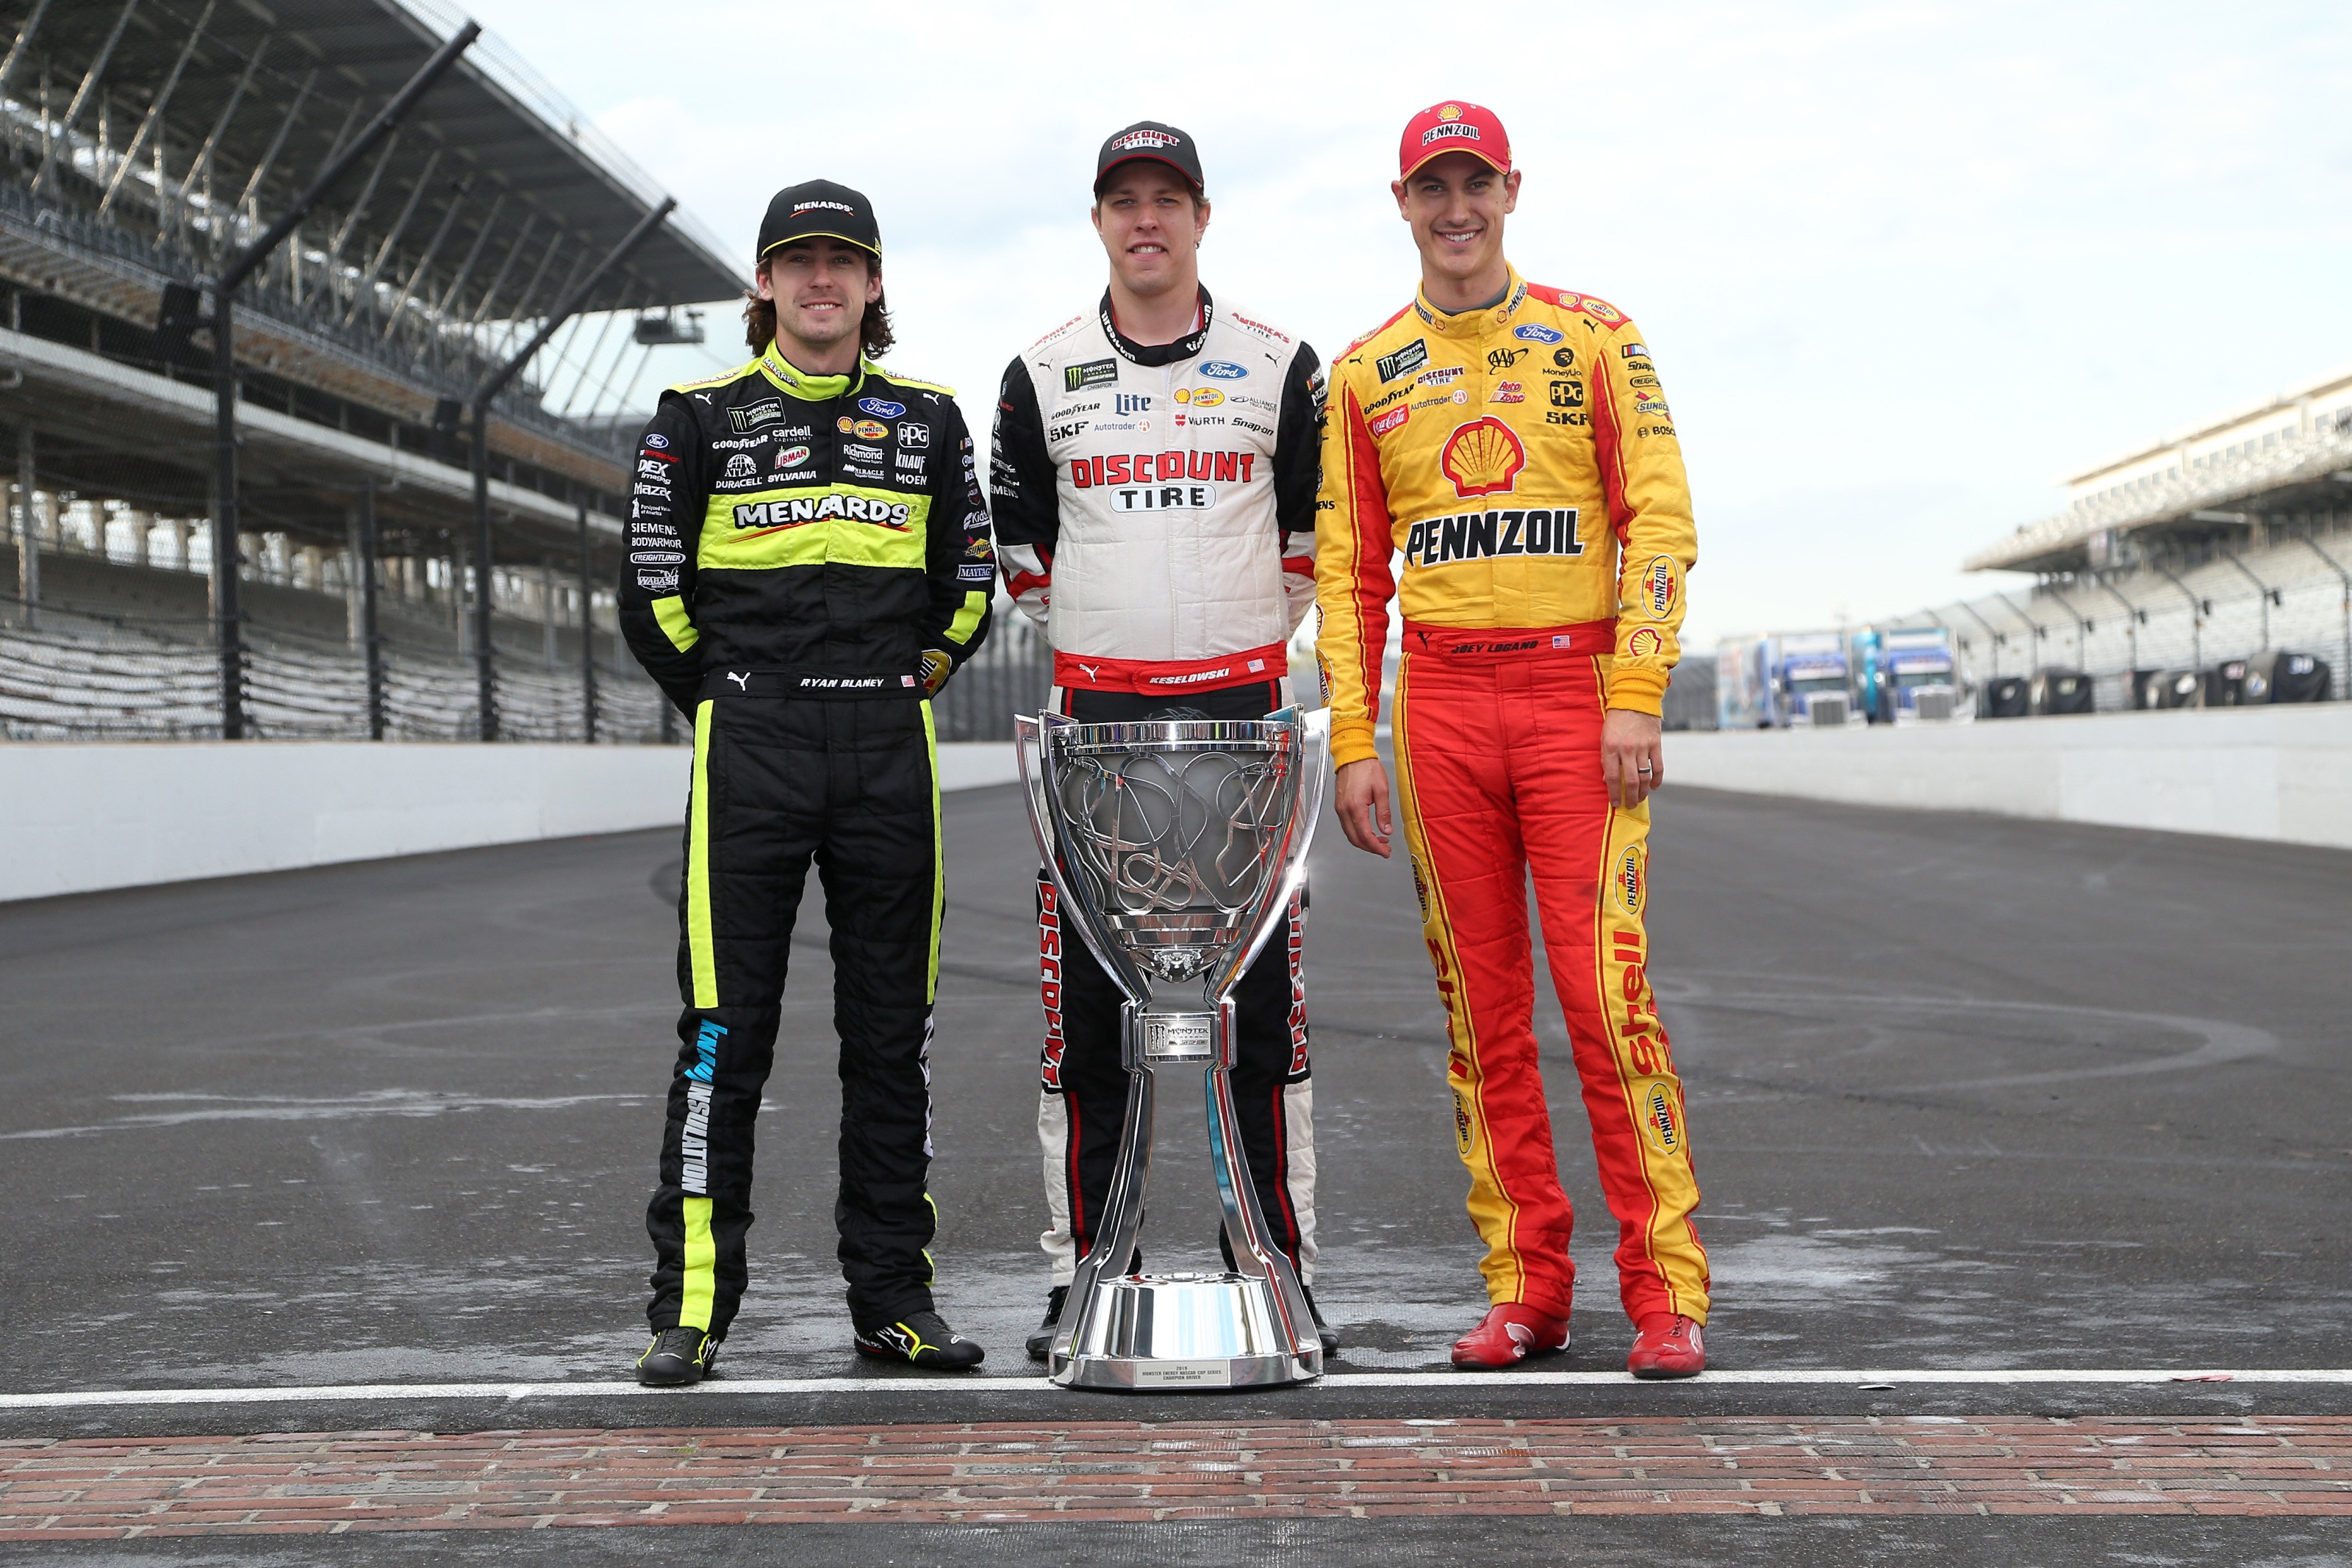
(2283, 455)
(255, 96)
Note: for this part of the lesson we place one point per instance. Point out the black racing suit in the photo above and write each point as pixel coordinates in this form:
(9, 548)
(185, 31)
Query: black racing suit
(809, 557)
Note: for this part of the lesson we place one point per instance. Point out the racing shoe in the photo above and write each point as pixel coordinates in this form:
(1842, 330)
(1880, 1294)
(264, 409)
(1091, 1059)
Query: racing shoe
(1041, 1343)
(1508, 1335)
(925, 1340)
(677, 1357)
(1667, 1345)
(1323, 1331)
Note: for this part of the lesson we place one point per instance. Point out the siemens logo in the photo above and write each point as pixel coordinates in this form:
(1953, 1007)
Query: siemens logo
(799, 509)
(1487, 536)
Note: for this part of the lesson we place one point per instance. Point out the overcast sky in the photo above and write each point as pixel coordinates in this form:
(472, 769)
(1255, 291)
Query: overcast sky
(1903, 267)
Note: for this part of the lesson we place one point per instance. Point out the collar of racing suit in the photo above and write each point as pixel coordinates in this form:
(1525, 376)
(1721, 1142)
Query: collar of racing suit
(1473, 323)
(793, 382)
(1157, 354)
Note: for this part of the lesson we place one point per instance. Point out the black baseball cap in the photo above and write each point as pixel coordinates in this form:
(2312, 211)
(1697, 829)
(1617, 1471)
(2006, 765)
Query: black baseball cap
(1149, 140)
(819, 208)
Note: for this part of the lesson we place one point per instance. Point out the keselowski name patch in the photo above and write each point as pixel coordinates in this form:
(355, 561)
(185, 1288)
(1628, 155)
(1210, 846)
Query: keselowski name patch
(1487, 536)
(798, 509)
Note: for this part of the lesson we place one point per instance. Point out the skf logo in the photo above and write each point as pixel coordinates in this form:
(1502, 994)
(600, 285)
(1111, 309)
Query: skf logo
(1483, 458)
(1658, 586)
(1628, 880)
(1661, 1119)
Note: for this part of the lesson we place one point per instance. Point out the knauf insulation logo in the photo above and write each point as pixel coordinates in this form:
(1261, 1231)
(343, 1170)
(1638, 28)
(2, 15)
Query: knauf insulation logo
(694, 1145)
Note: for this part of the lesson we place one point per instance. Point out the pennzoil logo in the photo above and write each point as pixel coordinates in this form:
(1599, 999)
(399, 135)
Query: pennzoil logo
(1483, 457)
(1658, 585)
(1420, 884)
(1628, 879)
(1462, 1136)
(1662, 1121)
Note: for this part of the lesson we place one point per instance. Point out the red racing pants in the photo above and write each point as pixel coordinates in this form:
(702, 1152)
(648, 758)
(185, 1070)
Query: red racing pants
(1498, 770)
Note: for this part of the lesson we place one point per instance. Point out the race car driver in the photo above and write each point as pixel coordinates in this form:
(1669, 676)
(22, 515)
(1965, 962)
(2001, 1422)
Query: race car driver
(1154, 471)
(809, 561)
(1513, 442)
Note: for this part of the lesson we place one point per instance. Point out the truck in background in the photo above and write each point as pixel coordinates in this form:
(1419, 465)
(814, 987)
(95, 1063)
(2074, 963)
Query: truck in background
(1807, 679)
(1905, 674)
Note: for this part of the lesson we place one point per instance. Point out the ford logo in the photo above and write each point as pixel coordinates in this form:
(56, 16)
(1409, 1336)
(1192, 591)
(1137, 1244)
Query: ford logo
(880, 407)
(1536, 332)
(1222, 370)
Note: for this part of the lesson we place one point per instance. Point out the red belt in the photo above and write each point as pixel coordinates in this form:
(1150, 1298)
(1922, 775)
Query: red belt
(1158, 676)
(1508, 643)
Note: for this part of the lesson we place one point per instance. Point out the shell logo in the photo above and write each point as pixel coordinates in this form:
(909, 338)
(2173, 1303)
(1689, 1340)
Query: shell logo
(1628, 879)
(1644, 641)
(1451, 112)
(1483, 457)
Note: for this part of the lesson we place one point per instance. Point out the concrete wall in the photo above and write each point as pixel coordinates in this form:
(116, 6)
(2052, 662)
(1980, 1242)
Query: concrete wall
(75, 817)
(2282, 773)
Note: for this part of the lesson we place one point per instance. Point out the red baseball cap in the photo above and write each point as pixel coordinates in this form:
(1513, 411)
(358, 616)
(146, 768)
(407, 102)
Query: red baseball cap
(1454, 127)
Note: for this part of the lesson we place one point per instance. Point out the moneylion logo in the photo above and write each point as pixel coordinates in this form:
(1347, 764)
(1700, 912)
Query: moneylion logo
(1483, 457)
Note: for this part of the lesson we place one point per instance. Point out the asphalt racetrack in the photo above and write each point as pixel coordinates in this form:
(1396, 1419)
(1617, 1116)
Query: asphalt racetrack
(1966, 1094)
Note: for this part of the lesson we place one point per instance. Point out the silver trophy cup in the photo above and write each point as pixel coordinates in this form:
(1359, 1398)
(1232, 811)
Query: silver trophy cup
(1175, 848)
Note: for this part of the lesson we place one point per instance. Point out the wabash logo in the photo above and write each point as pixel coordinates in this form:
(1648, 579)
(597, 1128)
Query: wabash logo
(1483, 458)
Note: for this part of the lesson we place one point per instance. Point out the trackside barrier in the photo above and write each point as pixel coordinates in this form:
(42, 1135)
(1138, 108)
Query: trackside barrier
(2277, 773)
(80, 817)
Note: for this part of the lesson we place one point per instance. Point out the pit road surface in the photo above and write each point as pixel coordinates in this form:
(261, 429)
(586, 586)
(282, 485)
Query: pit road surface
(1964, 1094)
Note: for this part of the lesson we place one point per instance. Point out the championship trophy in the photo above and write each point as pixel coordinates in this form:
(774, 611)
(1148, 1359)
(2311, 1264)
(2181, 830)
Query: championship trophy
(1175, 847)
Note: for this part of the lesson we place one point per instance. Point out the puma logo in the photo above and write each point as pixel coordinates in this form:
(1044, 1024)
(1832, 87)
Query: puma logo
(742, 681)
(1093, 671)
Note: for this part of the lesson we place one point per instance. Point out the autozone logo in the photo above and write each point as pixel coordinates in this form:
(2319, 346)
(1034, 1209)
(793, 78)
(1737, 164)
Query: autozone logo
(1148, 468)
(1489, 536)
(799, 509)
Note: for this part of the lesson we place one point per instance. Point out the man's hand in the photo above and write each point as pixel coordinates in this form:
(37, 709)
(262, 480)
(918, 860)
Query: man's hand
(1363, 804)
(937, 665)
(1632, 761)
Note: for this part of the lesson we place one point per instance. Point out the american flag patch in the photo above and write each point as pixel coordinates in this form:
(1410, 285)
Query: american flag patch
(906, 680)
(1560, 641)
(1257, 665)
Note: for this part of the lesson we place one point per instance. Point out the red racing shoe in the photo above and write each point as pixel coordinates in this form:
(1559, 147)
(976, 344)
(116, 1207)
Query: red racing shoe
(1508, 1335)
(1667, 1345)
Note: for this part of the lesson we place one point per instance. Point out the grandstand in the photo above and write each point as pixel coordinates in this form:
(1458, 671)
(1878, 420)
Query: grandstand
(146, 143)
(2221, 541)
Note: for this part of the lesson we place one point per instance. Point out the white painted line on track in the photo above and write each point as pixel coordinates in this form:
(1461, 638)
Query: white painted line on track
(1341, 1382)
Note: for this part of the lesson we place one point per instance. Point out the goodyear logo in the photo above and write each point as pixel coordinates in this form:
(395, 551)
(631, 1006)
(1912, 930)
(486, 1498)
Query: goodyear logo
(1661, 1122)
(1461, 1136)
(1628, 879)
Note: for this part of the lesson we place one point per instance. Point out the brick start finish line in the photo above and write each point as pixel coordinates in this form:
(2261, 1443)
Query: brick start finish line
(86, 1489)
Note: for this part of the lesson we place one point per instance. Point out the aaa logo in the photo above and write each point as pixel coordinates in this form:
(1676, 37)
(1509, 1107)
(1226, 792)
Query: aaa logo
(1483, 457)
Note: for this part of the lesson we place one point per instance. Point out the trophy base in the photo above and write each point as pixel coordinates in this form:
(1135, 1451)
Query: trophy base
(1157, 1332)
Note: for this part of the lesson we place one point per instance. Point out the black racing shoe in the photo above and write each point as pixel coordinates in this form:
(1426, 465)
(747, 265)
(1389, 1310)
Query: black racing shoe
(677, 1357)
(1323, 1331)
(1041, 1343)
(923, 1339)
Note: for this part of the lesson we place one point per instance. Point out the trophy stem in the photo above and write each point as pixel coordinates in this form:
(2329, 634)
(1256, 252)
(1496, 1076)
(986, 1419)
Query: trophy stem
(1122, 1331)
